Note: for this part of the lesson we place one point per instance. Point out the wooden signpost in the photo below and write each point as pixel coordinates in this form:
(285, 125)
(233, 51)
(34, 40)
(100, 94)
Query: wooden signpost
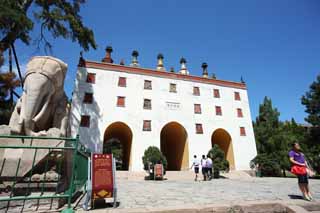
(103, 177)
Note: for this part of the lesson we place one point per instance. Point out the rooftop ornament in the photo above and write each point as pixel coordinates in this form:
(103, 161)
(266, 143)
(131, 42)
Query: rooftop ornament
(134, 62)
(107, 58)
(183, 69)
(160, 66)
(204, 70)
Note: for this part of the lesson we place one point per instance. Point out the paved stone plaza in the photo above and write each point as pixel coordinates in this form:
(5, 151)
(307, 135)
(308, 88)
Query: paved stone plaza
(155, 195)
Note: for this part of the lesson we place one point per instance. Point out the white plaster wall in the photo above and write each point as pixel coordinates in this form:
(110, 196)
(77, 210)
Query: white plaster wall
(104, 112)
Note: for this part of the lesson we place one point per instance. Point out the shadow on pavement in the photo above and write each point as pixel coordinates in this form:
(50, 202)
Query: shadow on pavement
(295, 197)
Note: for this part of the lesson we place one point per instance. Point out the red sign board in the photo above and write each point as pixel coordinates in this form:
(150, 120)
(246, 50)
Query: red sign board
(158, 171)
(102, 176)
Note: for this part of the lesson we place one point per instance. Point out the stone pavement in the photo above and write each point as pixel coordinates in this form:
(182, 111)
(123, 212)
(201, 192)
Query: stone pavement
(138, 195)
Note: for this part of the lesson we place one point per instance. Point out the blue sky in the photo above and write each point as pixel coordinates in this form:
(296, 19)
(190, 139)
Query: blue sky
(273, 44)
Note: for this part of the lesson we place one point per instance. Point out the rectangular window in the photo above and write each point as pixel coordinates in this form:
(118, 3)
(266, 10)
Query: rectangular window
(196, 91)
(147, 84)
(173, 88)
(239, 113)
(242, 131)
(121, 101)
(237, 96)
(91, 78)
(218, 110)
(216, 93)
(197, 108)
(199, 129)
(88, 98)
(146, 125)
(146, 104)
(85, 121)
(122, 82)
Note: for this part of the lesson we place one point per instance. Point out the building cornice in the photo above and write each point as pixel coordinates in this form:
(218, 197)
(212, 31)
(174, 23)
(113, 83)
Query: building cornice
(164, 74)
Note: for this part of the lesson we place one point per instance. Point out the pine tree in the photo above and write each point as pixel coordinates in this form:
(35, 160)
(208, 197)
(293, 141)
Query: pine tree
(311, 100)
(59, 17)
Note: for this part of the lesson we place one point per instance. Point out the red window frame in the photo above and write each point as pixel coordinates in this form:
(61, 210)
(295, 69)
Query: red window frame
(88, 98)
(237, 96)
(146, 125)
(121, 101)
(85, 121)
(196, 91)
(197, 108)
(199, 129)
(243, 131)
(218, 110)
(216, 93)
(91, 78)
(239, 112)
(122, 82)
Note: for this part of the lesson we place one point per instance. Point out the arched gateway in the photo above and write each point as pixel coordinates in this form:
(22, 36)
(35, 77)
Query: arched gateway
(119, 134)
(174, 145)
(223, 139)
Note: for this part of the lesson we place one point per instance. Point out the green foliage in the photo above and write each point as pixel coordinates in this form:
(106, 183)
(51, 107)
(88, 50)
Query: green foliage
(267, 165)
(59, 17)
(274, 140)
(311, 100)
(152, 156)
(218, 158)
(8, 82)
(114, 146)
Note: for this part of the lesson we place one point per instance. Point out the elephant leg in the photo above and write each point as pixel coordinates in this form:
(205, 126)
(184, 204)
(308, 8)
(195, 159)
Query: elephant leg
(15, 123)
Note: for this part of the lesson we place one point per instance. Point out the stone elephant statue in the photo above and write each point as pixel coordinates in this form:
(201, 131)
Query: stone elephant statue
(43, 104)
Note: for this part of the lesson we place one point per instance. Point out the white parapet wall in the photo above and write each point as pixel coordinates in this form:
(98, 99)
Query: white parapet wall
(173, 108)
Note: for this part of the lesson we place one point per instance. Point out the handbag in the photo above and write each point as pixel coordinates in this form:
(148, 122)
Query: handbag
(298, 170)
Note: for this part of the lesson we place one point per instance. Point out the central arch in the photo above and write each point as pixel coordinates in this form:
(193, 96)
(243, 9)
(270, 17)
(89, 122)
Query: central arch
(223, 139)
(174, 145)
(119, 135)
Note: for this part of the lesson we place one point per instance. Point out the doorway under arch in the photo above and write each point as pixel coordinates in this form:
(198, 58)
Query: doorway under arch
(174, 146)
(119, 135)
(223, 139)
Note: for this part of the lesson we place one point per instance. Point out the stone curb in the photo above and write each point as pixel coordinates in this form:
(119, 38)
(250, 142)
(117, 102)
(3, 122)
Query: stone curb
(248, 207)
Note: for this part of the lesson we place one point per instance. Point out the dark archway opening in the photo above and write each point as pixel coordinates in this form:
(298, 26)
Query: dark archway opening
(174, 146)
(223, 139)
(118, 140)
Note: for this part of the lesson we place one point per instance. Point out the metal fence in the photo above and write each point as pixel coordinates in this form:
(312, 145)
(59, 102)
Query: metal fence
(63, 163)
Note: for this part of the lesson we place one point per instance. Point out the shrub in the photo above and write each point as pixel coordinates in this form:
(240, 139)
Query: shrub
(218, 159)
(152, 156)
(267, 164)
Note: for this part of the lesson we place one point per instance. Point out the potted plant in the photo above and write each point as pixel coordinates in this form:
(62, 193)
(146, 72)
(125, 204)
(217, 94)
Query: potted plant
(152, 156)
(218, 160)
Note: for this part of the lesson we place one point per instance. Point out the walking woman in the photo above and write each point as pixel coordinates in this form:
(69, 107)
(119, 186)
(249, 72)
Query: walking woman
(299, 168)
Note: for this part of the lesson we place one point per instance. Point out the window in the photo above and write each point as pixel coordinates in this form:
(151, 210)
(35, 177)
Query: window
(147, 84)
(196, 91)
(85, 121)
(199, 129)
(122, 82)
(173, 88)
(218, 110)
(146, 125)
(121, 101)
(237, 96)
(242, 131)
(88, 98)
(197, 108)
(239, 113)
(91, 78)
(146, 104)
(216, 93)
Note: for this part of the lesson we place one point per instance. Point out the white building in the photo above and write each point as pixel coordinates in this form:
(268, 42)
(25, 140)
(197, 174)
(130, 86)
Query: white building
(181, 114)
